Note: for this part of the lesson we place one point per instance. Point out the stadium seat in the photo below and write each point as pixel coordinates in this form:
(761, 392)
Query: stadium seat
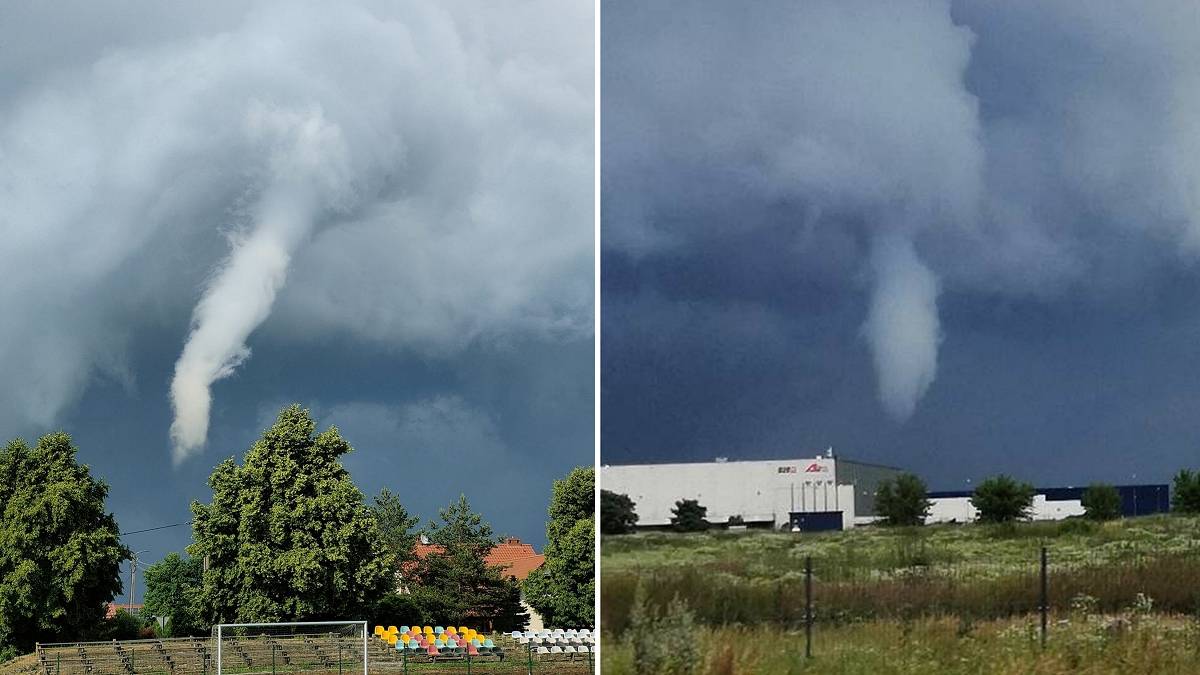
(543, 650)
(379, 630)
(556, 650)
(488, 643)
(392, 629)
(404, 629)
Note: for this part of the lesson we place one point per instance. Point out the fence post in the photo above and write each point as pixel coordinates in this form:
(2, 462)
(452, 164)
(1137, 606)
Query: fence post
(339, 657)
(1045, 596)
(404, 660)
(529, 652)
(468, 663)
(57, 663)
(272, 659)
(808, 617)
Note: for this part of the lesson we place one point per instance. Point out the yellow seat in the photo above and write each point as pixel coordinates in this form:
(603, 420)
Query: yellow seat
(464, 629)
(391, 639)
(404, 638)
(393, 629)
(379, 630)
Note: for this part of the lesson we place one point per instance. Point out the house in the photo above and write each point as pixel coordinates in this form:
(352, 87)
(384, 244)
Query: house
(513, 556)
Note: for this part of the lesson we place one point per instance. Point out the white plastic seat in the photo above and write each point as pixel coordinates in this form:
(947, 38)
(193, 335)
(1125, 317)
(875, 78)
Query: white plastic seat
(543, 650)
(556, 650)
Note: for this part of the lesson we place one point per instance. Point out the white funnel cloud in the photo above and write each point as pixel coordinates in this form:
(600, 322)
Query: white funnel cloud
(902, 327)
(307, 156)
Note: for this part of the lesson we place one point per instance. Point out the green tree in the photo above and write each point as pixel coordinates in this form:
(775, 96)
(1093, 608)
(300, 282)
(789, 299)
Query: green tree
(1101, 502)
(60, 551)
(689, 516)
(1001, 499)
(455, 584)
(617, 515)
(172, 590)
(287, 535)
(397, 528)
(902, 501)
(1185, 492)
(562, 590)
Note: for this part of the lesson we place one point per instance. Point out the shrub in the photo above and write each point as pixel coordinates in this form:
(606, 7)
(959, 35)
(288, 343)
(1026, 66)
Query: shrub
(616, 513)
(689, 516)
(1185, 492)
(902, 501)
(1101, 502)
(1001, 499)
(665, 643)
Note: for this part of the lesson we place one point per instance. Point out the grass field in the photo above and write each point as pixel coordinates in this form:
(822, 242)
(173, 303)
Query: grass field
(958, 597)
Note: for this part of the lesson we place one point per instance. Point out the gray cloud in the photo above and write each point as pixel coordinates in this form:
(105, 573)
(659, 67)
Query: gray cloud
(413, 175)
(1020, 150)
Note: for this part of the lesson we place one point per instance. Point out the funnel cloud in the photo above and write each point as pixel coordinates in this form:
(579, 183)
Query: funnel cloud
(902, 324)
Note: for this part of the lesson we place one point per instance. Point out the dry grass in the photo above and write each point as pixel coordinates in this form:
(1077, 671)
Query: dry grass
(1093, 645)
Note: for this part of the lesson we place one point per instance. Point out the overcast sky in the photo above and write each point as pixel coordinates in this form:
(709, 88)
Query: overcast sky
(381, 210)
(956, 237)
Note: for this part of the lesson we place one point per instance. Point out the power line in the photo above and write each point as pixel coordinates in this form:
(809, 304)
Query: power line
(160, 527)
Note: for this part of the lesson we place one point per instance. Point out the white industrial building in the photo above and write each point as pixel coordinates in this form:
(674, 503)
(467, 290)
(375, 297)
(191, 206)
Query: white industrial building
(807, 493)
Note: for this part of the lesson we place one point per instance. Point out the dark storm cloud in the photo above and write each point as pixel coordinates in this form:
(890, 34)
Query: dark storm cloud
(808, 206)
(372, 204)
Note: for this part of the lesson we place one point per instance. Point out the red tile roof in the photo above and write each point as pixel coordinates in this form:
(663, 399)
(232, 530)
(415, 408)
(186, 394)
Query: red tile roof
(511, 555)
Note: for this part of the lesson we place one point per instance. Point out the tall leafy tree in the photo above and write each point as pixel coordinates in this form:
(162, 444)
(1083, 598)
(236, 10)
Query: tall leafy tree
(173, 587)
(455, 584)
(902, 501)
(689, 516)
(1185, 492)
(1002, 499)
(287, 535)
(617, 515)
(1101, 501)
(562, 590)
(60, 550)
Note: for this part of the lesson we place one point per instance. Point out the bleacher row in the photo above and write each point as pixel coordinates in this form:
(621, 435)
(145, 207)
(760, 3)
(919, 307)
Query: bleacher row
(557, 641)
(195, 655)
(439, 641)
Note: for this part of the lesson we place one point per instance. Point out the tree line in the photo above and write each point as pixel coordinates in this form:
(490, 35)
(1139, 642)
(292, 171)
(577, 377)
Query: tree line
(903, 501)
(287, 536)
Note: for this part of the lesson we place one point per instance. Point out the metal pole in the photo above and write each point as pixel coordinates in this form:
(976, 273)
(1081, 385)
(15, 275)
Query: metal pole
(1045, 597)
(218, 649)
(468, 663)
(339, 657)
(529, 651)
(808, 616)
(58, 663)
(272, 659)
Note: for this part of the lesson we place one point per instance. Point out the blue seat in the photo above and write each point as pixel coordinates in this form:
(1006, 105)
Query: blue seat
(488, 643)
(404, 629)
(438, 630)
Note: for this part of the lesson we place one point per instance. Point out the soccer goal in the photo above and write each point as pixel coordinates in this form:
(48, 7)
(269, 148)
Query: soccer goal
(296, 647)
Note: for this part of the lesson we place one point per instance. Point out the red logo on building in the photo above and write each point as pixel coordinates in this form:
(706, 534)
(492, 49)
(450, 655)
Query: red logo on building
(815, 468)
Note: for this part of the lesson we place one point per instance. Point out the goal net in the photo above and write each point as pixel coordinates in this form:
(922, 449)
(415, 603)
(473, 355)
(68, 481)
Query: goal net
(297, 647)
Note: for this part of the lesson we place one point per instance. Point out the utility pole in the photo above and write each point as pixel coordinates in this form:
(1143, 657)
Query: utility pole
(133, 559)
